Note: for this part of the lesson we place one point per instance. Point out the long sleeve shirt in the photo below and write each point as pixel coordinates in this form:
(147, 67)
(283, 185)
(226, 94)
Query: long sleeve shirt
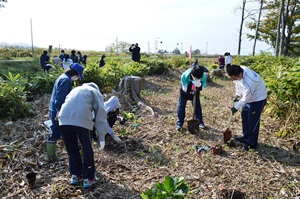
(251, 88)
(62, 87)
(79, 107)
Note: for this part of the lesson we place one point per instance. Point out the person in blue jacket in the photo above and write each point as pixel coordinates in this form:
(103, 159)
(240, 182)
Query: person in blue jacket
(74, 57)
(192, 80)
(44, 61)
(62, 87)
(62, 55)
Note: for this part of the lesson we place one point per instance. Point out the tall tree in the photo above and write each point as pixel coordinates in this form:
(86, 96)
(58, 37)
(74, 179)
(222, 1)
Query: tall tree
(279, 23)
(257, 26)
(268, 27)
(244, 15)
(241, 26)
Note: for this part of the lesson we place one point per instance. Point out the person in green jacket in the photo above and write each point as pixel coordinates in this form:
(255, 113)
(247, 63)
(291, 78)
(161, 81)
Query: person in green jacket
(192, 80)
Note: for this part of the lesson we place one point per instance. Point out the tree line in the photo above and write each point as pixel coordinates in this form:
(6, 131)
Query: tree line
(274, 22)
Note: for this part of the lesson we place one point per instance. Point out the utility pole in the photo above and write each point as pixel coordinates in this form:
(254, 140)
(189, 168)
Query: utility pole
(181, 47)
(117, 44)
(31, 37)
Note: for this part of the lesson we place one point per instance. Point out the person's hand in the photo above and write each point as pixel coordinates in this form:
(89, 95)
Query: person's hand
(197, 83)
(236, 98)
(56, 117)
(102, 145)
(233, 110)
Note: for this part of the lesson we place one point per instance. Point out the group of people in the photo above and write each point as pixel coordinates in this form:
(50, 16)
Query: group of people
(76, 114)
(135, 52)
(224, 63)
(251, 95)
(67, 60)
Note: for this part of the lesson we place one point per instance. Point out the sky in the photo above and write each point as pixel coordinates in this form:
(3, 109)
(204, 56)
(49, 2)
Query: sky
(208, 25)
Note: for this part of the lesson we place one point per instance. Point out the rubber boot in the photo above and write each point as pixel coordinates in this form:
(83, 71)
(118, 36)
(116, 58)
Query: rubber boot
(51, 149)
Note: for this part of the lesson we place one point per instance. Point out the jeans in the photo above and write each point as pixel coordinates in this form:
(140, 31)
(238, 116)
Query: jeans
(55, 132)
(181, 108)
(85, 168)
(251, 113)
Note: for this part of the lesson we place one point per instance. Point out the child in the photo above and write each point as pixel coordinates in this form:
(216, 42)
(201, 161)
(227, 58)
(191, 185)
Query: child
(112, 110)
(76, 123)
(192, 80)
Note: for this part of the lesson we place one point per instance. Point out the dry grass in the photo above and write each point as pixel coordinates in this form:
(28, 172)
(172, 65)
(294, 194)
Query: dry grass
(153, 150)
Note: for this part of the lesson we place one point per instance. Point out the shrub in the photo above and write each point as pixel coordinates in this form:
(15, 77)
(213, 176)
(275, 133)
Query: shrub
(171, 188)
(13, 98)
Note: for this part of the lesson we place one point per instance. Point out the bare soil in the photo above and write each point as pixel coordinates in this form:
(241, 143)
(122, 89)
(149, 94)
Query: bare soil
(152, 149)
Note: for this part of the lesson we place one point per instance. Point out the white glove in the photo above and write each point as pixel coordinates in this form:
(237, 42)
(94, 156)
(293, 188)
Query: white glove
(102, 145)
(184, 88)
(197, 83)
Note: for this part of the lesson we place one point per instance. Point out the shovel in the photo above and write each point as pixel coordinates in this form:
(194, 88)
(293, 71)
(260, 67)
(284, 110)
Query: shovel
(228, 134)
(193, 125)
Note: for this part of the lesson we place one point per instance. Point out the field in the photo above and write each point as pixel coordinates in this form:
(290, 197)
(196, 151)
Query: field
(152, 149)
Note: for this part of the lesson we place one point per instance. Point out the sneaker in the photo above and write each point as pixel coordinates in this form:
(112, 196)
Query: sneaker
(75, 180)
(88, 183)
(116, 138)
(178, 128)
(202, 126)
(241, 140)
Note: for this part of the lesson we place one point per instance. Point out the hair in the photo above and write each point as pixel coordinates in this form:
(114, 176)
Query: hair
(234, 70)
(73, 51)
(197, 72)
(71, 72)
(45, 52)
(62, 51)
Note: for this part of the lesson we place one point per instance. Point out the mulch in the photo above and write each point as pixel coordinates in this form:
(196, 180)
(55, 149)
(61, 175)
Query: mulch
(152, 149)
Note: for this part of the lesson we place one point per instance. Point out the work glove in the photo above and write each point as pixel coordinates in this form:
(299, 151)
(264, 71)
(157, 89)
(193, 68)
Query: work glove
(233, 110)
(56, 117)
(197, 83)
(102, 145)
(236, 98)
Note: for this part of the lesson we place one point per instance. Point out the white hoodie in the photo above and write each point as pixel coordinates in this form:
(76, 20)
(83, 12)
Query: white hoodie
(251, 88)
(111, 105)
(79, 106)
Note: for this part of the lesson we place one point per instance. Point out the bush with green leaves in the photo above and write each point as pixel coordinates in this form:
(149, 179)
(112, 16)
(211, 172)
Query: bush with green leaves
(282, 77)
(156, 66)
(179, 61)
(13, 97)
(174, 188)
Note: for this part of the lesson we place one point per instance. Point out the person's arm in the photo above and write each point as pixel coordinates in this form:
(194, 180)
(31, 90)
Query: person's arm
(100, 115)
(63, 89)
(246, 90)
(110, 131)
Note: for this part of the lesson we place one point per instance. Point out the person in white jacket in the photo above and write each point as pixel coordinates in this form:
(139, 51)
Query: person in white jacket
(251, 96)
(76, 122)
(228, 60)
